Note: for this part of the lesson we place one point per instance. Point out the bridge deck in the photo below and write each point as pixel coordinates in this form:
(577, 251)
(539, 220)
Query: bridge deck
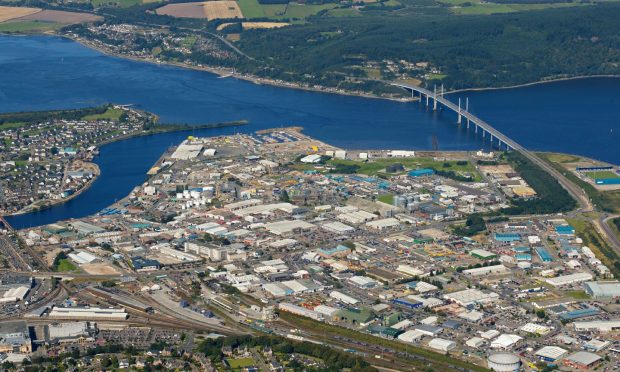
(473, 118)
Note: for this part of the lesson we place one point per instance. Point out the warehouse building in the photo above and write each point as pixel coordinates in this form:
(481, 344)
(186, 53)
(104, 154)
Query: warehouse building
(582, 360)
(77, 332)
(602, 326)
(563, 280)
(609, 290)
(441, 344)
(88, 313)
(471, 296)
(301, 311)
(487, 270)
(551, 353)
(15, 337)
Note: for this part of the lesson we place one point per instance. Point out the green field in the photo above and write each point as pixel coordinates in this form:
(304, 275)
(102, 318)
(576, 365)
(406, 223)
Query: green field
(477, 7)
(65, 265)
(302, 11)
(240, 363)
(118, 3)
(12, 125)
(28, 26)
(110, 114)
(386, 198)
(602, 174)
(251, 9)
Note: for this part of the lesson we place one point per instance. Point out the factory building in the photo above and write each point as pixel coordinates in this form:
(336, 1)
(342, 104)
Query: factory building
(441, 344)
(582, 360)
(77, 332)
(563, 280)
(15, 337)
(301, 311)
(609, 290)
(602, 326)
(88, 313)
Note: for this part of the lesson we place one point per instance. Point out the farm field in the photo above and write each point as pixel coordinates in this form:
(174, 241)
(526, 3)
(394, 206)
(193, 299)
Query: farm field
(59, 16)
(28, 26)
(225, 9)
(255, 25)
(465, 7)
(11, 12)
(251, 9)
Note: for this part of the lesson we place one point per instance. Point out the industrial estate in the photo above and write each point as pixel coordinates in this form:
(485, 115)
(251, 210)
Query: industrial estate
(276, 251)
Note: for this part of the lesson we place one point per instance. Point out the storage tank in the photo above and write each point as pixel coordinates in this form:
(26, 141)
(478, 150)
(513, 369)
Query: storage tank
(504, 362)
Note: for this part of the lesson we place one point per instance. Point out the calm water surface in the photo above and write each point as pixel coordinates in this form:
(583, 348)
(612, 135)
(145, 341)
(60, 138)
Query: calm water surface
(42, 72)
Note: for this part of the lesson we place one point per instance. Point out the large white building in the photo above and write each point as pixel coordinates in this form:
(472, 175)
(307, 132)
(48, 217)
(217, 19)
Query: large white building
(563, 280)
(598, 326)
(88, 313)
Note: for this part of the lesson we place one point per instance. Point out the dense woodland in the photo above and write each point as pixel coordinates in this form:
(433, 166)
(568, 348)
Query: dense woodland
(473, 51)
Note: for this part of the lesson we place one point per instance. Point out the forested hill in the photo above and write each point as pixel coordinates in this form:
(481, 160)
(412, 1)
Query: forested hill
(470, 51)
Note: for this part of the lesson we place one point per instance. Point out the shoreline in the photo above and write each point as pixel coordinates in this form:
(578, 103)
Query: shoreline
(160, 129)
(53, 203)
(223, 72)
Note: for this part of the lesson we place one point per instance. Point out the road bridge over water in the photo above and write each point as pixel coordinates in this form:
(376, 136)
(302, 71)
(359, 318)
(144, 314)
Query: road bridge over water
(437, 98)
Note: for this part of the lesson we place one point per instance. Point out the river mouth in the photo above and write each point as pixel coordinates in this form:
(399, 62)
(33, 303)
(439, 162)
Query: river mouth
(48, 72)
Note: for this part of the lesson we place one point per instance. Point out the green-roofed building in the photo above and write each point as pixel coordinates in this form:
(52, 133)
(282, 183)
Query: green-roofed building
(355, 315)
(391, 319)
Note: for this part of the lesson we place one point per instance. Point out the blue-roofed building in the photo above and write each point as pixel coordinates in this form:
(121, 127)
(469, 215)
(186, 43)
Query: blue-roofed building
(523, 257)
(581, 313)
(565, 230)
(543, 254)
(339, 251)
(424, 172)
(507, 237)
(144, 264)
(404, 301)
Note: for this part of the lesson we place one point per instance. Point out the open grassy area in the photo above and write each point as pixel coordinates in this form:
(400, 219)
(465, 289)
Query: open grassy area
(110, 114)
(577, 295)
(386, 198)
(251, 9)
(240, 363)
(478, 7)
(28, 26)
(12, 125)
(65, 265)
(602, 174)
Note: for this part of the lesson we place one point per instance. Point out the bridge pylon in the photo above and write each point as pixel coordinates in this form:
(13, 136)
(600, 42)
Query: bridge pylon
(458, 120)
(435, 97)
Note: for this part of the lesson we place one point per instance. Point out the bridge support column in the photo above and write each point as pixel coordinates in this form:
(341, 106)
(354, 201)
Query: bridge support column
(467, 109)
(427, 100)
(475, 128)
(435, 97)
(458, 120)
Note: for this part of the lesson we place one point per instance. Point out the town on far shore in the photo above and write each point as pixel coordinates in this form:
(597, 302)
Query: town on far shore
(275, 251)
